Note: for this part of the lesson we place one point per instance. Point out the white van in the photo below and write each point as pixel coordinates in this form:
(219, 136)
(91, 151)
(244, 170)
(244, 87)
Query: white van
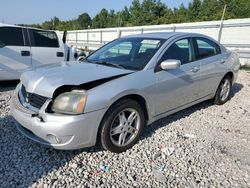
(22, 48)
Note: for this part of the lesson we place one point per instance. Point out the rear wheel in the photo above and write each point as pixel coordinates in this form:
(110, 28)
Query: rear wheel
(224, 90)
(122, 126)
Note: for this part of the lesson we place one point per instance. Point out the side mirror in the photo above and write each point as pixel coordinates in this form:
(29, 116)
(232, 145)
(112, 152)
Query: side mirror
(170, 64)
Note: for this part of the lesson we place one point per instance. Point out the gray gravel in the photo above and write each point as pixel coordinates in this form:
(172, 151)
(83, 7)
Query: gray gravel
(203, 146)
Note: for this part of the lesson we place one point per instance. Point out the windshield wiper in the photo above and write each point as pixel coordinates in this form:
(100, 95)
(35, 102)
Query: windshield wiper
(110, 64)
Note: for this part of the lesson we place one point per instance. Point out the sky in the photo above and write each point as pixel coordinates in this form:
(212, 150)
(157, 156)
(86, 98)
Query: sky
(38, 11)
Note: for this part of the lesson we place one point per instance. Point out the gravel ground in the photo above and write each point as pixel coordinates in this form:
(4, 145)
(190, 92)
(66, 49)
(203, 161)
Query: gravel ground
(203, 146)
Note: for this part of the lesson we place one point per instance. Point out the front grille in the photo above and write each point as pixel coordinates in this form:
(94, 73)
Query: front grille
(33, 99)
(36, 100)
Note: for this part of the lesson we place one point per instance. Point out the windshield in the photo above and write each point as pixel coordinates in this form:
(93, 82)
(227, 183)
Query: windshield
(128, 53)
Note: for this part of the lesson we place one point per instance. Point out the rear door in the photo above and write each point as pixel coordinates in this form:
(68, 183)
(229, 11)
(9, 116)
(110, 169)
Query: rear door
(178, 87)
(45, 47)
(208, 53)
(15, 56)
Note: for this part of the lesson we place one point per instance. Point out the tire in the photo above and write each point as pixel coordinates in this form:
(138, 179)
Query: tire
(118, 132)
(219, 98)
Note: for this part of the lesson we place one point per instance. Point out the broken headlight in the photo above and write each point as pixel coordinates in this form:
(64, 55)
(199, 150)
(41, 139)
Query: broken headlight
(70, 102)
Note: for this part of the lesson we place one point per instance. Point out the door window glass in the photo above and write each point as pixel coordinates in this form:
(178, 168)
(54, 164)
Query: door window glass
(45, 38)
(11, 36)
(180, 50)
(207, 48)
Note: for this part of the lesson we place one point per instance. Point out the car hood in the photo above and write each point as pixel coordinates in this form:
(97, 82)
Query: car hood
(46, 79)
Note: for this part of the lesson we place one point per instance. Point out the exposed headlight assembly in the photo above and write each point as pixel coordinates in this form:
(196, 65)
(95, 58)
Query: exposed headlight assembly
(70, 102)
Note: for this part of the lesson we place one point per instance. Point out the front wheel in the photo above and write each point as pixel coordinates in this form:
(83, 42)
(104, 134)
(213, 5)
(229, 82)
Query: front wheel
(122, 126)
(224, 90)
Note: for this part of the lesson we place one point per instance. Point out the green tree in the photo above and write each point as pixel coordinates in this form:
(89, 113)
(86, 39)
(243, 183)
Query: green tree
(56, 21)
(100, 20)
(112, 20)
(180, 14)
(124, 17)
(84, 20)
(210, 10)
(52, 24)
(135, 12)
(149, 12)
(47, 25)
(152, 12)
(194, 10)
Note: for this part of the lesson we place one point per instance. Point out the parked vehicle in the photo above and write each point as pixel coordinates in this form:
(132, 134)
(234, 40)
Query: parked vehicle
(120, 88)
(22, 48)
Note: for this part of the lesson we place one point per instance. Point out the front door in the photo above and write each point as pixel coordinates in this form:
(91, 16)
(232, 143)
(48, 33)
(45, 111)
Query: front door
(178, 87)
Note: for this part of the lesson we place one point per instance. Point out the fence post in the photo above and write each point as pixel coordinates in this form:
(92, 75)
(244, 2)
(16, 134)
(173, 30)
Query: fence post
(174, 28)
(87, 37)
(119, 33)
(76, 38)
(221, 23)
(101, 36)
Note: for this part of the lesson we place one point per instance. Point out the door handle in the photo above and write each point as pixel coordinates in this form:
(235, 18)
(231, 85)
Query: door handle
(59, 54)
(222, 61)
(25, 53)
(195, 69)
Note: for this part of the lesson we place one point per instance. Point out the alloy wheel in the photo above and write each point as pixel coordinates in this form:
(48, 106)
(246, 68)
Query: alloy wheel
(225, 89)
(125, 127)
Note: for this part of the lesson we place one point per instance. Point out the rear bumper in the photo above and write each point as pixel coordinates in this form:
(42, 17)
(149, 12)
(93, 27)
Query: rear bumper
(235, 67)
(63, 132)
(236, 73)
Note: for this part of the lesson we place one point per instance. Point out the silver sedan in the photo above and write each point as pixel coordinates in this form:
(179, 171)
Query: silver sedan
(127, 84)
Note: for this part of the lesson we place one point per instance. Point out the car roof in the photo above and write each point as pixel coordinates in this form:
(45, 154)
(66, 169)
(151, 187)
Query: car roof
(3, 24)
(9, 25)
(159, 35)
(167, 35)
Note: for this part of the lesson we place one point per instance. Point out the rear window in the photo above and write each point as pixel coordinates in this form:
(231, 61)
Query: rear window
(11, 36)
(44, 39)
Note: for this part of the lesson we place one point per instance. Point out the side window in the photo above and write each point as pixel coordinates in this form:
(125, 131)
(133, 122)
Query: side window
(44, 39)
(207, 48)
(180, 50)
(11, 36)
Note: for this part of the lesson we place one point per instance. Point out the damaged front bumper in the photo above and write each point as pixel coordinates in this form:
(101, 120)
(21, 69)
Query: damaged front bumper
(63, 132)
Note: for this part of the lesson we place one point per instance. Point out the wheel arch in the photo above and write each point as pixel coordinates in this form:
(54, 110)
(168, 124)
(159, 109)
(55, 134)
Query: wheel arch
(136, 97)
(230, 74)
